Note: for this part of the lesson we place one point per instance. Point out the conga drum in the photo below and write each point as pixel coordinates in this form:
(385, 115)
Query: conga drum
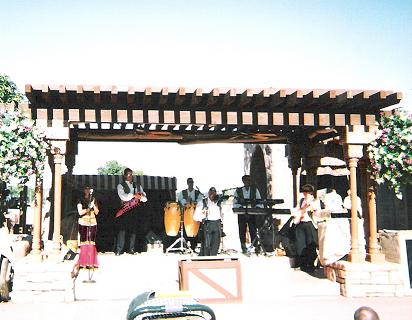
(172, 218)
(191, 226)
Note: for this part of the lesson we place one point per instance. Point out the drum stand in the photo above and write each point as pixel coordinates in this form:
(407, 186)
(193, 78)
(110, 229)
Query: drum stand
(184, 246)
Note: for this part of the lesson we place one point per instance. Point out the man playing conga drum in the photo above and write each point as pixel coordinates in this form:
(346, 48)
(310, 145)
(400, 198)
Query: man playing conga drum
(187, 197)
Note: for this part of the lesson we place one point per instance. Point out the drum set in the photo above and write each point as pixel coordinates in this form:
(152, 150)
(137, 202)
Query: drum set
(177, 218)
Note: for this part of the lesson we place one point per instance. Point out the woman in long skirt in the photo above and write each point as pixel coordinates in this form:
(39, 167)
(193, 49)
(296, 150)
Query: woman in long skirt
(88, 209)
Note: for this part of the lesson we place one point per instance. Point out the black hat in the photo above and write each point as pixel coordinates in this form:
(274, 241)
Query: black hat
(308, 188)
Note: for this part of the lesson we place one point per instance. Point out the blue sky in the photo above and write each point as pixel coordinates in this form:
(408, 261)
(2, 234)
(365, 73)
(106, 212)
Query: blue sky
(241, 44)
(305, 44)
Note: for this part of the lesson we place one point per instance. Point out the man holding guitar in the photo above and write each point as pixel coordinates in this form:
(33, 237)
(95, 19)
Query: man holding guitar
(131, 196)
(305, 228)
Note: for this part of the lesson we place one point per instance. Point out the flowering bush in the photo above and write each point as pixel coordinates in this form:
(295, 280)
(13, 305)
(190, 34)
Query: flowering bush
(22, 147)
(391, 153)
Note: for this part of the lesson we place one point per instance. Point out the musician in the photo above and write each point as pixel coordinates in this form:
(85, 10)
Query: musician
(333, 201)
(127, 191)
(306, 237)
(208, 211)
(333, 234)
(186, 197)
(88, 210)
(244, 198)
(189, 195)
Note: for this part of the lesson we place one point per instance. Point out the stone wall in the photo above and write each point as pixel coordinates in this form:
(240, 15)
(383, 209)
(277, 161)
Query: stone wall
(367, 279)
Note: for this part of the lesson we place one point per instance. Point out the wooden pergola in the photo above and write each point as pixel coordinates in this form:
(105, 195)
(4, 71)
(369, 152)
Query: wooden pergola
(299, 118)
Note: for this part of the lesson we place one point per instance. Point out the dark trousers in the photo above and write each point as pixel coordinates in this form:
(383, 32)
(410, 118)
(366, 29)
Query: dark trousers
(244, 220)
(306, 243)
(211, 238)
(125, 227)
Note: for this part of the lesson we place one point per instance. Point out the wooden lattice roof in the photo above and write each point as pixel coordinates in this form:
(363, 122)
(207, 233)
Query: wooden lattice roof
(185, 115)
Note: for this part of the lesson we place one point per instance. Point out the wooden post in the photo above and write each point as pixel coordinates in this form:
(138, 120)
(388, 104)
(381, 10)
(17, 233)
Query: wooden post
(37, 221)
(57, 159)
(295, 186)
(294, 152)
(355, 254)
(373, 255)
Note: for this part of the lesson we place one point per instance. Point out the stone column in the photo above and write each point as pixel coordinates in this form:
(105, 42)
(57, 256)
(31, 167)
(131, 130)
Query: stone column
(373, 255)
(37, 221)
(354, 153)
(58, 138)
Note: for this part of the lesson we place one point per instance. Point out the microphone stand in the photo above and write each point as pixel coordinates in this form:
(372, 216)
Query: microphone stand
(207, 240)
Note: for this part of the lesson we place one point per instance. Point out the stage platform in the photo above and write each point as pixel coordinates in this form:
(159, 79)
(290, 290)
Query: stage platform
(270, 289)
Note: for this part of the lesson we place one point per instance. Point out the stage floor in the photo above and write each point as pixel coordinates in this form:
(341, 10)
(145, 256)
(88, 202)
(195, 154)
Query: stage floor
(271, 289)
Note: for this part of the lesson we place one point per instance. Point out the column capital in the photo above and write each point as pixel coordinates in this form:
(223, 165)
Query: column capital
(58, 147)
(360, 134)
(353, 150)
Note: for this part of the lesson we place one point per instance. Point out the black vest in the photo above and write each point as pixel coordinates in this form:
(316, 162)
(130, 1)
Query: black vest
(126, 187)
(239, 192)
(186, 194)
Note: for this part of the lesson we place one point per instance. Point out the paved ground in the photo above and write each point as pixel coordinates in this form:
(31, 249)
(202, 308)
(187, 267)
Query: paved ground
(271, 289)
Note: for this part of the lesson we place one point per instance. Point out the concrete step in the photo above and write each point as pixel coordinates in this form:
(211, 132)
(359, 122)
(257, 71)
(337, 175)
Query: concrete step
(263, 278)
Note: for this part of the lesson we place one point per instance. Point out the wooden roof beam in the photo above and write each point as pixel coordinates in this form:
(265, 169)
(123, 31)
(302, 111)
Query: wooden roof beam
(28, 88)
(310, 98)
(263, 97)
(197, 96)
(360, 100)
(230, 97)
(114, 96)
(53, 97)
(79, 98)
(277, 99)
(164, 96)
(394, 98)
(327, 98)
(246, 97)
(147, 98)
(343, 99)
(180, 96)
(63, 95)
(383, 99)
(213, 97)
(294, 99)
(131, 96)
